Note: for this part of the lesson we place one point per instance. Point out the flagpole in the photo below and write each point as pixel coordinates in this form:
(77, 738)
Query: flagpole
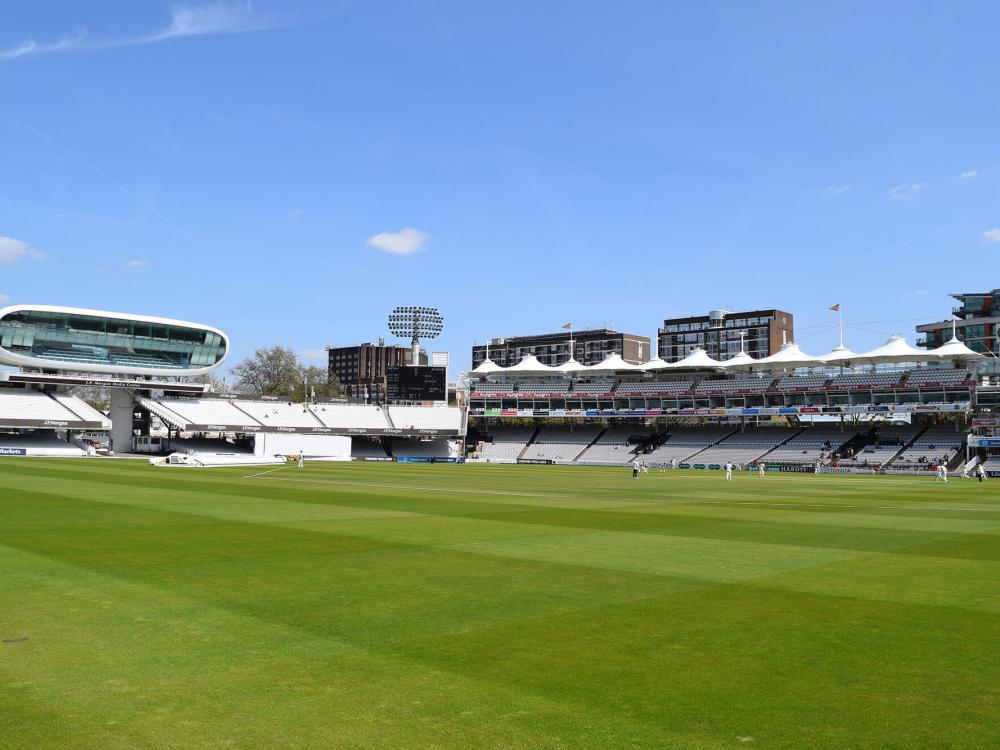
(840, 324)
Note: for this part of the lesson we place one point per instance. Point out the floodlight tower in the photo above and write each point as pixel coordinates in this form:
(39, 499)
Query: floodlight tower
(416, 323)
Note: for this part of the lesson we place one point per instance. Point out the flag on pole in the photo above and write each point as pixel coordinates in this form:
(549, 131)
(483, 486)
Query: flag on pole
(567, 326)
(835, 308)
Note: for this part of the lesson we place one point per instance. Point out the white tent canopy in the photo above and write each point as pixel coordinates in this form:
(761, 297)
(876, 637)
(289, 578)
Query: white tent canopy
(654, 365)
(570, 367)
(896, 350)
(788, 357)
(487, 367)
(529, 365)
(612, 363)
(741, 361)
(953, 349)
(698, 359)
(840, 356)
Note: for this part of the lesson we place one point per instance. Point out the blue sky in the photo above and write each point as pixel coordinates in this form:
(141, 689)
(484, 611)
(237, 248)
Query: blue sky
(290, 171)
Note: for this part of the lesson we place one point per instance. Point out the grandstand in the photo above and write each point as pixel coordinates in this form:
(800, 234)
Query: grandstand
(505, 444)
(24, 408)
(811, 445)
(616, 445)
(880, 446)
(937, 444)
(37, 443)
(347, 416)
(404, 448)
(743, 447)
(684, 442)
(561, 443)
(279, 413)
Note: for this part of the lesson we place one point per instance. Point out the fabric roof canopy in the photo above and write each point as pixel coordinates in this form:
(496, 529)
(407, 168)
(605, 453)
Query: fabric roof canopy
(788, 357)
(570, 367)
(955, 349)
(840, 356)
(698, 359)
(487, 367)
(896, 350)
(612, 363)
(653, 365)
(741, 361)
(529, 365)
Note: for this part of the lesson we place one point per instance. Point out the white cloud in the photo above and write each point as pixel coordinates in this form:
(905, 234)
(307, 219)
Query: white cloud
(920, 292)
(906, 189)
(12, 250)
(136, 265)
(4, 298)
(313, 355)
(837, 189)
(404, 242)
(214, 18)
(992, 235)
(970, 173)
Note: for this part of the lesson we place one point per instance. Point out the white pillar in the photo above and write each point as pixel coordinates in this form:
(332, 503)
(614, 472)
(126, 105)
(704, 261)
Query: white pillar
(122, 406)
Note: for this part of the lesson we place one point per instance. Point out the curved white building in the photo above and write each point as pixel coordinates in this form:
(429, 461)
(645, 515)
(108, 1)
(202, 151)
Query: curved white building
(53, 337)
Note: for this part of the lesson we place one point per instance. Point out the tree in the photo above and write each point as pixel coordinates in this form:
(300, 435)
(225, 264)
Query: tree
(272, 371)
(277, 371)
(319, 382)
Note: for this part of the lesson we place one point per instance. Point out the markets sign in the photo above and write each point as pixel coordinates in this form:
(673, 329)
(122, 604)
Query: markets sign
(13, 451)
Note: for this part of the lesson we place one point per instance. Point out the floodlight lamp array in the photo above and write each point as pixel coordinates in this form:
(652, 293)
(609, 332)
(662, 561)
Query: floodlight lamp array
(416, 322)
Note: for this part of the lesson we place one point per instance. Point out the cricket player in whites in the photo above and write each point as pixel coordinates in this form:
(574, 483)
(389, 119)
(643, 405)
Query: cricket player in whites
(729, 469)
(942, 473)
(761, 468)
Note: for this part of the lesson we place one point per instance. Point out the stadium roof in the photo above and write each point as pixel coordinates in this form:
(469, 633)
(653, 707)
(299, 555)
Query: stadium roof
(896, 350)
(954, 349)
(613, 363)
(788, 357)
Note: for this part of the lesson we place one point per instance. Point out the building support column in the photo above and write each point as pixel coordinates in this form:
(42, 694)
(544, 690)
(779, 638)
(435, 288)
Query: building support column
(122, 406)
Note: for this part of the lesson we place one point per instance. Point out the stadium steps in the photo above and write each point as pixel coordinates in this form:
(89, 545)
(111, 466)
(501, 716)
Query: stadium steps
(587, 446)
(795, 431)
(528, 444)
(705, 448)
(67, 408)
(904, 448)
(172, 418)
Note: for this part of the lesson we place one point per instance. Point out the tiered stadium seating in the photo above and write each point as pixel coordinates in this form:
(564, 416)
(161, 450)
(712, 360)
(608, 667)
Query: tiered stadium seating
(743, 448)
(279, 413)
(593, 388)
(181, 412)
(507, 444)
(410, 448)
(39, 443)
(937, 443)
(561, 443)
(31, 405)
(862, 380)
(801, 383)
(734, 385)
(482, 388)
(930, 376)
(342, 416)
(544, 388)
(616, 446)
(887, 441)
(653, 387)
(992, 463)
(684, 442)
(362, 447)
(810, 446)
(82, 409)
(426, 417)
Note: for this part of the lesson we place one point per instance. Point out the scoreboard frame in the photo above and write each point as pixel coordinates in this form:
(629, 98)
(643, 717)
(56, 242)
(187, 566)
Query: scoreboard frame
(408, 383)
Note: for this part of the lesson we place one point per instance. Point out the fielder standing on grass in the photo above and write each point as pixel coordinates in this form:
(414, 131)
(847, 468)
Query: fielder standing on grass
(760, 469)
(635, 469)
(302, 460)
(729, 469)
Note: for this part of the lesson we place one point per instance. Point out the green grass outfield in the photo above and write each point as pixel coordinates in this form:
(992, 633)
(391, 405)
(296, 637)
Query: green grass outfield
(382, 605)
